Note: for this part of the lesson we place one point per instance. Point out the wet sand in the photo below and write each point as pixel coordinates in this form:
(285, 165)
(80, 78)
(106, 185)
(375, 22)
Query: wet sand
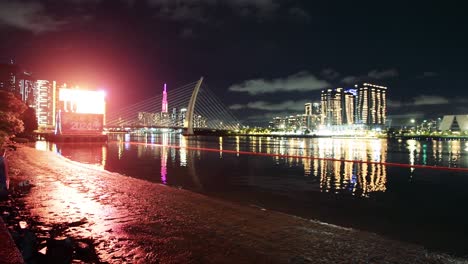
(135, 221)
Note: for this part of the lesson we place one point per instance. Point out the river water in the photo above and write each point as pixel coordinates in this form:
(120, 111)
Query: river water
(420, 205)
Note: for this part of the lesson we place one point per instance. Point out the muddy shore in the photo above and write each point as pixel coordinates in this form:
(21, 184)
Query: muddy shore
(122, 219)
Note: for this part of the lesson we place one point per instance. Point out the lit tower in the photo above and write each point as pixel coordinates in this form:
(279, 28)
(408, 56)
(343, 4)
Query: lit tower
(164, 100)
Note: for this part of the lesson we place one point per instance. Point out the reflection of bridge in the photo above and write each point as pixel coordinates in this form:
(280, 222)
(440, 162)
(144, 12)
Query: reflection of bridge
(191, 106)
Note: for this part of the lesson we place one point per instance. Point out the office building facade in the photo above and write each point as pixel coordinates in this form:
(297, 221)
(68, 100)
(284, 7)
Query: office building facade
(372, 104)
(337, 107)
(46, 93)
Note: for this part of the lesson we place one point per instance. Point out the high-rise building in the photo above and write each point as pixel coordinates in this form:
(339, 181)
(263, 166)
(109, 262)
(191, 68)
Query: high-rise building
(308, 109)
(312, 116)
(46, 94)
(337, 107)
(372, 104)
(26, 88)
(19, 82)
(316, 109)
(174, 117)
(164, 101)
(348, 108)
(8, 72)
(181, 122)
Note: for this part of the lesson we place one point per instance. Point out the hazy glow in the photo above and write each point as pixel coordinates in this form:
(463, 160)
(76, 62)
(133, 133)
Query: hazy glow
(82, 101)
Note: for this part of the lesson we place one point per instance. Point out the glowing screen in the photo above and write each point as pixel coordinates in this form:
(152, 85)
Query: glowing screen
(82, 101)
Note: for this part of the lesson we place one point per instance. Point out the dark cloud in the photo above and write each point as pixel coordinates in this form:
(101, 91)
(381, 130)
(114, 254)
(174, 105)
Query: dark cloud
(267, 106)
(423, 100)
(330, 74)
(372, 75)
(183, 13)
(394, 104)
(407, 115)
(30, 16)
(186, 33)
(198, 10)
(350, 80)
(299, 82)
(427, 75)
(268, 116)
(299, 14)
(385, 74)
(430, 100)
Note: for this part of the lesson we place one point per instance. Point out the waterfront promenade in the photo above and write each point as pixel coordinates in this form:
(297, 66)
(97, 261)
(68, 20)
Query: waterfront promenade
(135, 221)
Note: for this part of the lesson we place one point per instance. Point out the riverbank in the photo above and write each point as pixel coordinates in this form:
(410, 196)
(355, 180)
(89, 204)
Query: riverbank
(137, 221)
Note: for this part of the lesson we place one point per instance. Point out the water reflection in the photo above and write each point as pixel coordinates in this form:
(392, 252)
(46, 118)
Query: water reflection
(163, 149)
(184, 161)
(89, 153)
(183, 150)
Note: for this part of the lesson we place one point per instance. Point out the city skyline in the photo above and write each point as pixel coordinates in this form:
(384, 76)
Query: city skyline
(264, 58)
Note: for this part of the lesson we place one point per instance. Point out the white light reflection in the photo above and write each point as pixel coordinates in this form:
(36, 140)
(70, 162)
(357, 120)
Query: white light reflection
(237, 145)
(183, 150)
(164, 142)
(127, 141)
(220, 147)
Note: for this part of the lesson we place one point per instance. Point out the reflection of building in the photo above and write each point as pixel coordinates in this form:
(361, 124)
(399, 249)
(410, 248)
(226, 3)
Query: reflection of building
(46, 102)
(372, 104)
(333, 176)
(163, 149)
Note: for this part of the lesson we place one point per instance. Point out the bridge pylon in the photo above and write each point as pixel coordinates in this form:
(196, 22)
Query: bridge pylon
(191, 107)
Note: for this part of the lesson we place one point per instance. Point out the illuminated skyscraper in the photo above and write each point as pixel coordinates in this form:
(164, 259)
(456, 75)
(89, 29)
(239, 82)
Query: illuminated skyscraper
(308, 109)
(337, 107)
(372, 104)
(311, 116)
(316, 108)
(349, 108)
(46, 93)
(164, 100)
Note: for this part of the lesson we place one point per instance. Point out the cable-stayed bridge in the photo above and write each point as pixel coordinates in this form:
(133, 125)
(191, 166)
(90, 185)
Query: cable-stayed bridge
(190, 107)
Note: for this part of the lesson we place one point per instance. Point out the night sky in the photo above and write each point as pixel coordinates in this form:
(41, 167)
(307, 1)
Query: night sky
(261, 57)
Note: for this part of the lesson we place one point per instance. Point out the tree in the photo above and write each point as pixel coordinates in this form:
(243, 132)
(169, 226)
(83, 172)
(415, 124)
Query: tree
(10, 103)
(30, 120)
(10, 123)
(11, 109)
